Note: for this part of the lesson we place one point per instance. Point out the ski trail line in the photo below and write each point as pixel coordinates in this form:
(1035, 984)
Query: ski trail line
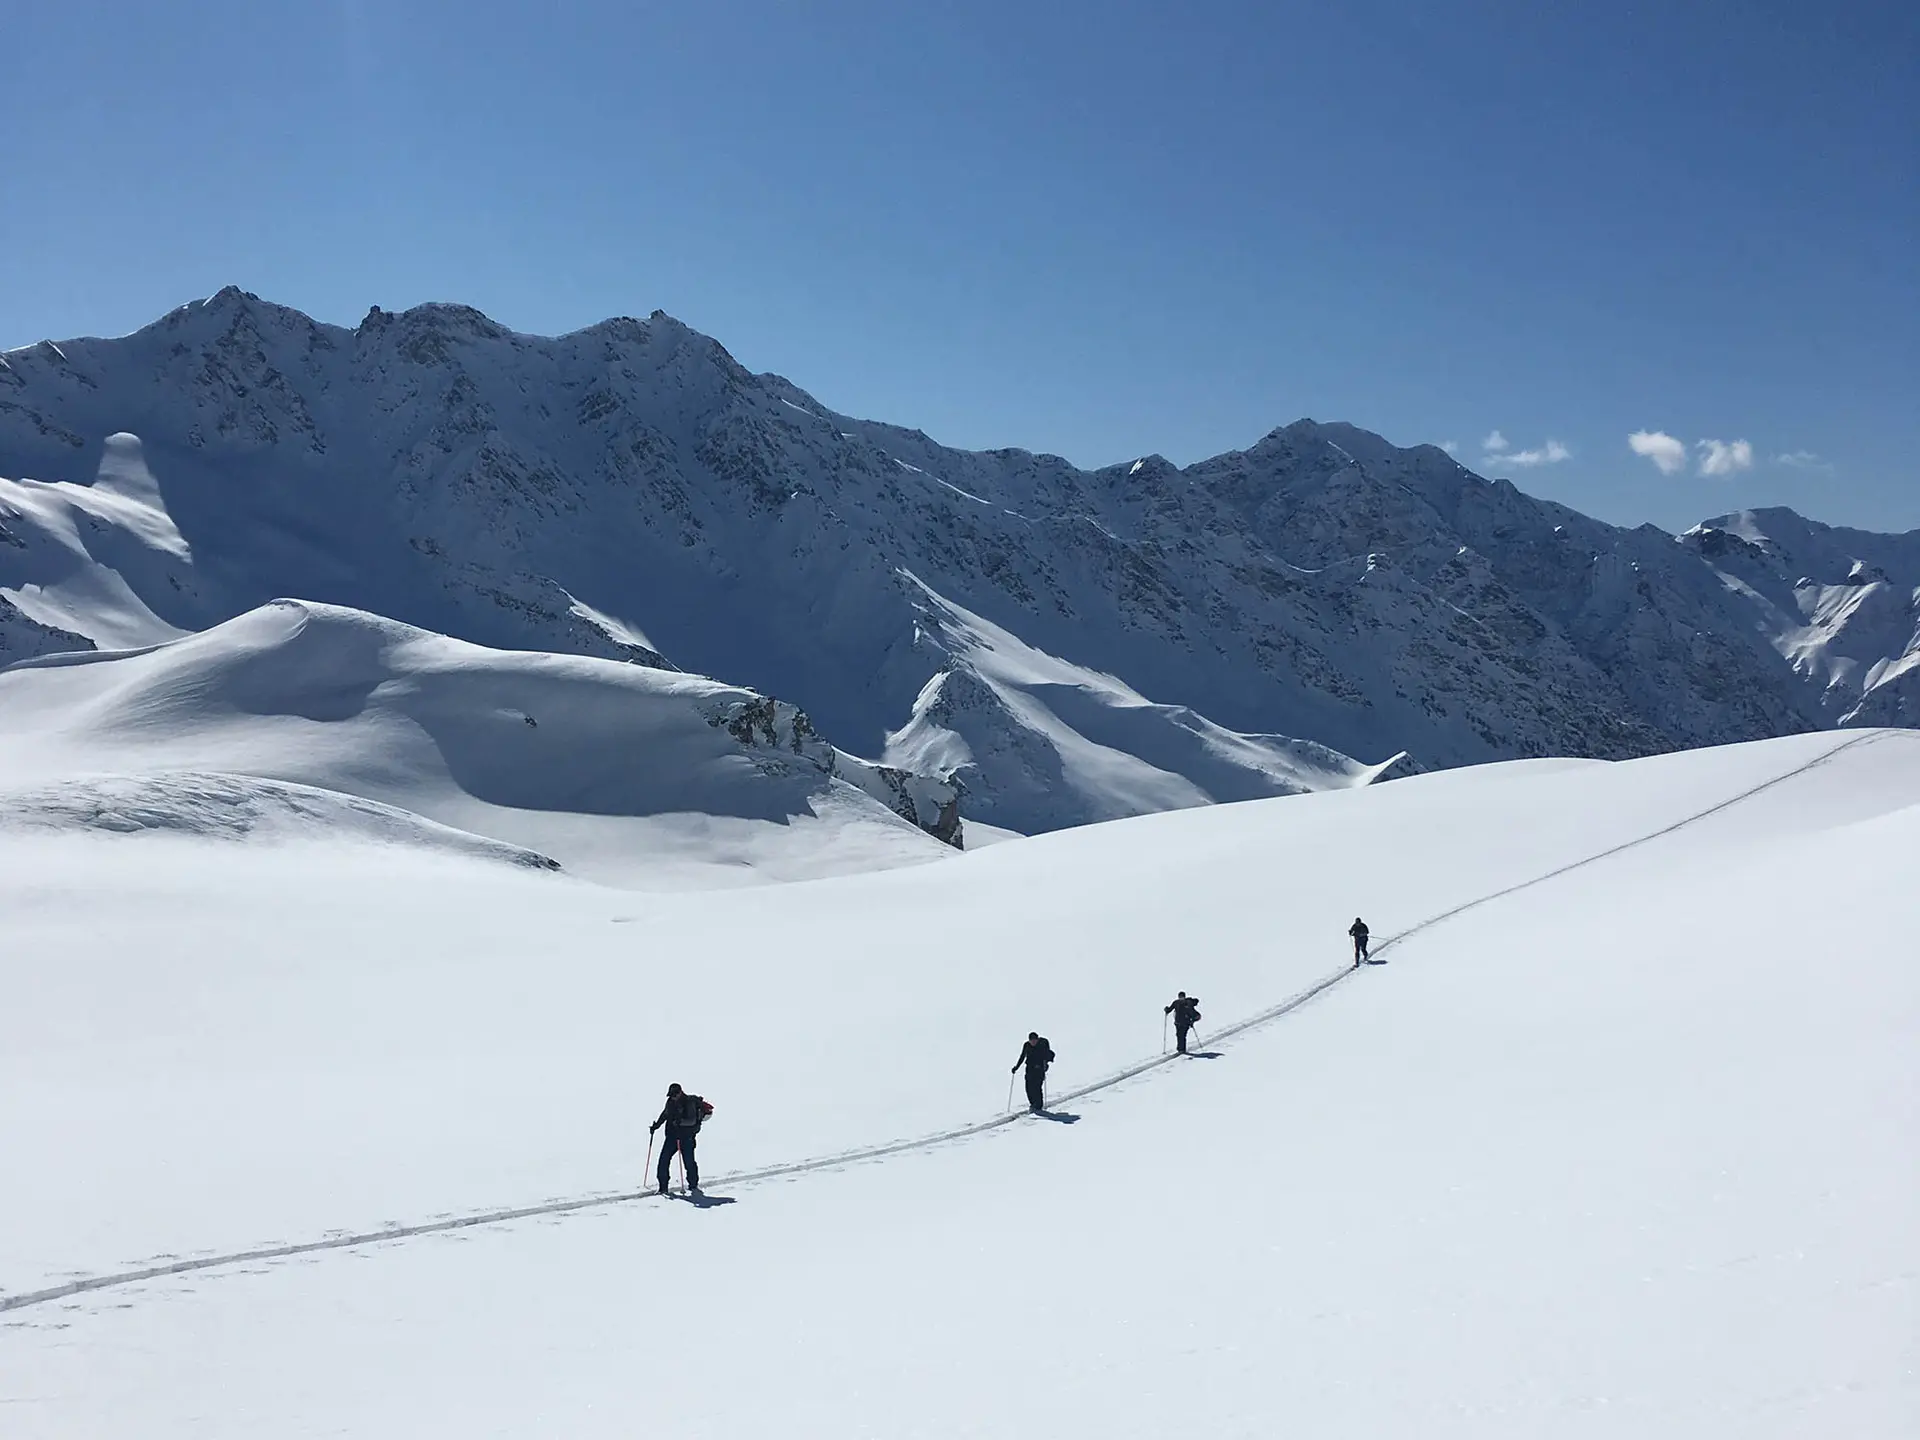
(741, 1178)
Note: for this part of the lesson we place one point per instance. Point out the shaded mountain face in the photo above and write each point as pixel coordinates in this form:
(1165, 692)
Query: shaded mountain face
(1071, 645)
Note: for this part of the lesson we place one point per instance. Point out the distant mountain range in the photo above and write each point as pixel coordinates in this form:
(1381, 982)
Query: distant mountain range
(1319, 610)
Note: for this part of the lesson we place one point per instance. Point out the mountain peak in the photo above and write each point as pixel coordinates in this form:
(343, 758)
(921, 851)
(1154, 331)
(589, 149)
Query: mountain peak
(230, 306)
(448, 316)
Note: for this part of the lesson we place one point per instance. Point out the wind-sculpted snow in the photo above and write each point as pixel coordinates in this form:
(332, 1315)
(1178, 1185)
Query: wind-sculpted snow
(236, 807)
(630, 491)
(621, 771)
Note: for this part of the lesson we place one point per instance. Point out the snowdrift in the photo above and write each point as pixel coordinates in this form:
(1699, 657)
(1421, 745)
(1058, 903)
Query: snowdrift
(1616, 1142)
(619, 771)
(237, 807)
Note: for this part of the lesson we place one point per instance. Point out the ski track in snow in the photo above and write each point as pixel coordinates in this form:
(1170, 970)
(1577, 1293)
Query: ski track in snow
(741, 1179)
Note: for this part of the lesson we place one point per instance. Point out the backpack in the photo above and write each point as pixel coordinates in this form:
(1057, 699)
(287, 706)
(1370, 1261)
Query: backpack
(692, 1111)
(1044, 1054)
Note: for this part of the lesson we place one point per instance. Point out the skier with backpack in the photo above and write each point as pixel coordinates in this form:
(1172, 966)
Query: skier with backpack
(681, 1115)
(1358, 930)
(1036, 1055)
(1185, 1010)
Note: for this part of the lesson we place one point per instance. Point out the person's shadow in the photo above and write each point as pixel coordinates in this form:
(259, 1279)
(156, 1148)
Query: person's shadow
(1059, 1117)
(704, 1201)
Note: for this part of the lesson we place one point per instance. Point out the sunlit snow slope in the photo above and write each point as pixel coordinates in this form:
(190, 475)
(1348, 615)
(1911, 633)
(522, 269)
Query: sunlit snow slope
(1618, 1142)
(620, 772)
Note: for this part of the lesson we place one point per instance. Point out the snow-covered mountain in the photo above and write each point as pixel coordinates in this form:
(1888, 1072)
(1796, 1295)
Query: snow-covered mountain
(1069, 645)
(1842, 607)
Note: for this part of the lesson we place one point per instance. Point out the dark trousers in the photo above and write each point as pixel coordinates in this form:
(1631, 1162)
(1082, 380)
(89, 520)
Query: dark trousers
(1036, 1087)
(682, 1141)
(1359, 948)
(1180, 1035)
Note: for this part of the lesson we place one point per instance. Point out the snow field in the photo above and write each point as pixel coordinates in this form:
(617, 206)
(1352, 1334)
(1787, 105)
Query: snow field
(1626, 1152)
(360, 1022)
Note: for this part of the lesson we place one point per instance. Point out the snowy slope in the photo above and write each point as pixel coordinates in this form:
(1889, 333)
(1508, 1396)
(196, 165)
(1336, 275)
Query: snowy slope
(1841, 606)
(1042, 741)
(1617, 1143)
(620, 772)
(630, 491)
(88, 553)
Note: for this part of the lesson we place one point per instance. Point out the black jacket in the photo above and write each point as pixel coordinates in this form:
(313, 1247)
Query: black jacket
(1035, 1055)
(1358, 930)
(1185, 1012)
(682, 1112)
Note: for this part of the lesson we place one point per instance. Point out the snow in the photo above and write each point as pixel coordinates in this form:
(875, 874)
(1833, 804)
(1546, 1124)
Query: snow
(1617, 1142)
(1842, 607)
(91, 550)
(955, 489)
(621, 772)
(1086, 746)
(345, 960)
(235, 807)
(622, 632)
(980, 835)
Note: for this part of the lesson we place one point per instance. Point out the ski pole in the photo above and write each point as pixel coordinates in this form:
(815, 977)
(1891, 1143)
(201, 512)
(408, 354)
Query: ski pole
(649, 1170)
(1163, 1032)
(1009, 1090)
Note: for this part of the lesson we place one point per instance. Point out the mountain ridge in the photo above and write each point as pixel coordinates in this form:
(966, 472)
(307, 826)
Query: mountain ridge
(629, 490)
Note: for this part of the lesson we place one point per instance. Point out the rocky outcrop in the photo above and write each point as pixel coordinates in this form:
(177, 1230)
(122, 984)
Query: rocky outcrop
(775, 730)
(22, 638)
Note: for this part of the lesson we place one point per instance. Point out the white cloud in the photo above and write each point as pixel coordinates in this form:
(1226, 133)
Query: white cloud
(1803, 460)
(1661, 448)
(1721, 457)
(1552, 453)
(1494, 443)
(1452, 447)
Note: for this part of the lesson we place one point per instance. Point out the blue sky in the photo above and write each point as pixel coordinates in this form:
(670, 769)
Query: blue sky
(1098, 230)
